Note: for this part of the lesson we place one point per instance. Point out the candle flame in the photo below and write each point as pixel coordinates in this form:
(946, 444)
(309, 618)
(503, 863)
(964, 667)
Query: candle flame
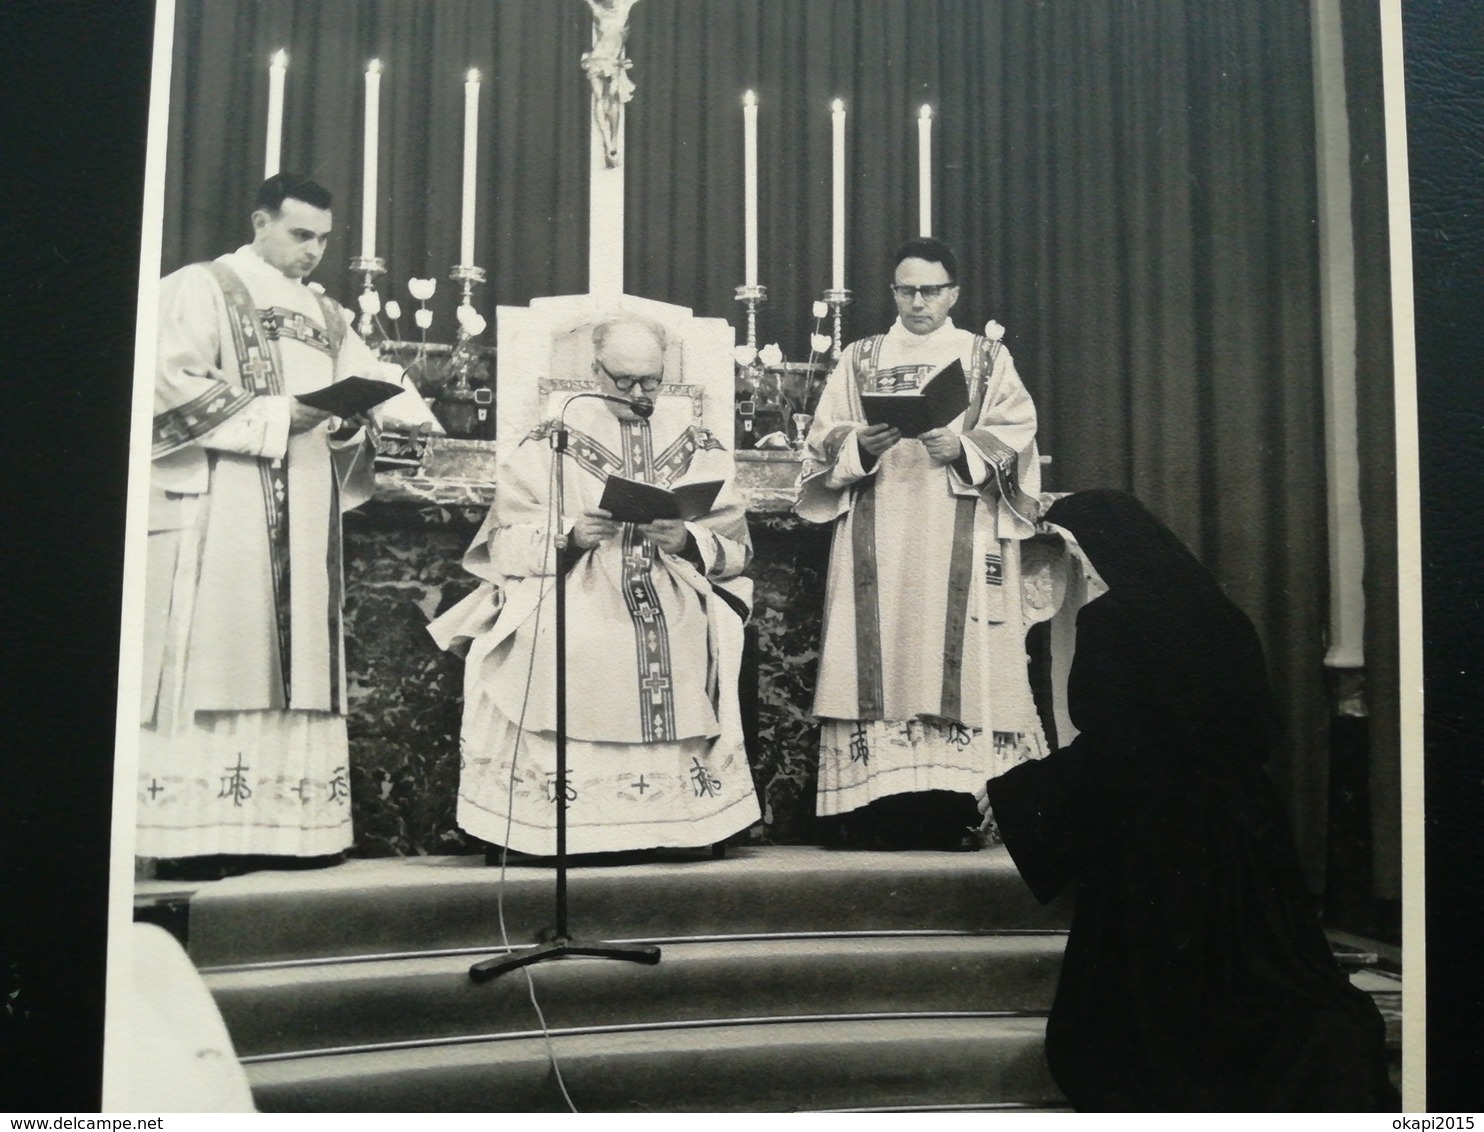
(473, 75)
(280, 59)
(373, 67)
(926, 112)
(749, 99)
(838, 106)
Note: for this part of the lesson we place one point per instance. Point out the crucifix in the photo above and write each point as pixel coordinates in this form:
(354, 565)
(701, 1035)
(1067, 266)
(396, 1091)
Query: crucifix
(607, 66)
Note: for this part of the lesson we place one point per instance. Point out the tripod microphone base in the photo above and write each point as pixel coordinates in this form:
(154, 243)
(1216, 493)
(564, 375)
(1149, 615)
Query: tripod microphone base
(487, 969)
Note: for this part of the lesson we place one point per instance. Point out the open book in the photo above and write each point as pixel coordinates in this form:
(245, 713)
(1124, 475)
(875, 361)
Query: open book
(350, 396)
(630, 501)
(936, 403)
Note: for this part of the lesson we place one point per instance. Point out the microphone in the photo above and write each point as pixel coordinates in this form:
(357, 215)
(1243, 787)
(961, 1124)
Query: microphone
(641, 408)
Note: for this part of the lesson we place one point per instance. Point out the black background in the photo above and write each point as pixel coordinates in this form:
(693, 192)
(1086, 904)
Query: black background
(75, 110)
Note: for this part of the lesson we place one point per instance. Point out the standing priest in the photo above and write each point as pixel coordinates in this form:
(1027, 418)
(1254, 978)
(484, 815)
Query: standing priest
(654, 631)
(923, 686)
(243, 745)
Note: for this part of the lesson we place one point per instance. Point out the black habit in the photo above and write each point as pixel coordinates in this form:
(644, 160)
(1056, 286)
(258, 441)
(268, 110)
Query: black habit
(1196, 975)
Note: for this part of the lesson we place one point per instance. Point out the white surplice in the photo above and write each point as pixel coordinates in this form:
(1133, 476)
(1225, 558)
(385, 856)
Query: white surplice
(243, 744)
(655, 747)
(923, 681)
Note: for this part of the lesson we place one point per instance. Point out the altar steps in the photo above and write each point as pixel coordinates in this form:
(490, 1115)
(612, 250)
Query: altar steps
(773, 1066)
(791, 978)
(282, 1010)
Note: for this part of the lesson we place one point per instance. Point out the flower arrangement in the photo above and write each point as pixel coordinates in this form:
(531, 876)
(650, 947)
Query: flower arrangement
(776, 398)
(455, 379)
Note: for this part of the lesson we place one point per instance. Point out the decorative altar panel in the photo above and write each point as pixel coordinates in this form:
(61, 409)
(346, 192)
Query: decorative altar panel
(546, 355)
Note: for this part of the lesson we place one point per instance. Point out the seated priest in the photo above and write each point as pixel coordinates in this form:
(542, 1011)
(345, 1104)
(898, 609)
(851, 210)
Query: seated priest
(655, 754)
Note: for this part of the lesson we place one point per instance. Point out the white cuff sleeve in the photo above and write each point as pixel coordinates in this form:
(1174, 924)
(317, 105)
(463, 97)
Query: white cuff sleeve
(260, 428)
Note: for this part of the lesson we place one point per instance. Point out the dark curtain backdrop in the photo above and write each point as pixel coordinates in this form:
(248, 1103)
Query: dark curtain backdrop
(1130, 187)
(531, 234)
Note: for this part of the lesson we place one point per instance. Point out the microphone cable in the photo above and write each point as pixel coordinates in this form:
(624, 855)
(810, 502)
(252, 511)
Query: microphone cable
(553, 516)
(643, 409)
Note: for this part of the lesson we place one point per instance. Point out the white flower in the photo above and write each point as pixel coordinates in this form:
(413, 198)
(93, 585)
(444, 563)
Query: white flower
(317, 288)
(820, 343)
(422, 289)
(423, 317)
(370, 302)
(463, 314)
(473, 323)
(820, 308)
(770, 355)
(744, 355)
(993, 330)
(393, 309)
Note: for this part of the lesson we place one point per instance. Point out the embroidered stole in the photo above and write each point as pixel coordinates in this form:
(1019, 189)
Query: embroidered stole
(637, 460)
(255, 337)
(870, 693)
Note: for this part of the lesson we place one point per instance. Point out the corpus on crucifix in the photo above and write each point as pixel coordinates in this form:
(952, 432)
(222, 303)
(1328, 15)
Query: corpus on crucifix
(607, 66)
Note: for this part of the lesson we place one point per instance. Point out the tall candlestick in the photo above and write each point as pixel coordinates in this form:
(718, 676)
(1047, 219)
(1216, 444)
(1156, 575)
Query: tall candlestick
(471, 163)
(749, 170)
(276, 68)
(837, 274)
(925, 171)
(370, 148)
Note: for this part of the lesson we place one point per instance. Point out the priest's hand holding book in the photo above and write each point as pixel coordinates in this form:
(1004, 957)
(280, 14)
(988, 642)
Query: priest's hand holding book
(592, 527)
(942, 444)
(304, 417)
(877, 438)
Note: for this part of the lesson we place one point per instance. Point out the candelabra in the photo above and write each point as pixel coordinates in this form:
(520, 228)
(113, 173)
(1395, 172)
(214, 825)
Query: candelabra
(837, 299)
(370, 266)
(752, 294)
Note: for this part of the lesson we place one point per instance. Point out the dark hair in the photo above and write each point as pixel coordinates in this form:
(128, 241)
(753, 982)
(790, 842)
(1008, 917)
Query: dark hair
(934, 251)
(290, 186)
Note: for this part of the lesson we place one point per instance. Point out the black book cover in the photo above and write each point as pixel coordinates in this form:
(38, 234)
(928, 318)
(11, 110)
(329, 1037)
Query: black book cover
(350, 396)
(630, 501)
(937, 403)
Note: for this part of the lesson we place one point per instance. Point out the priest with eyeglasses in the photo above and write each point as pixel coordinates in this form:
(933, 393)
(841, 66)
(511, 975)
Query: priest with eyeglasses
(923, 689)
(655, 754)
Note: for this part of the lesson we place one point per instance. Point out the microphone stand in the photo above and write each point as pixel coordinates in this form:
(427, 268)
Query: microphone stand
(558, 943)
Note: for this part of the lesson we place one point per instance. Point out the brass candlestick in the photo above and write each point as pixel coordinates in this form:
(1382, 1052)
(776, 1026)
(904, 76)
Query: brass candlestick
(837, 299)
(468, 276)
(752, 294)
(369, 266)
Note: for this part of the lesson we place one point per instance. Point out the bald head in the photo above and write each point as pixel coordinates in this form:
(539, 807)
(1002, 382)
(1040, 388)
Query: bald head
(628, 361)
(629, 343)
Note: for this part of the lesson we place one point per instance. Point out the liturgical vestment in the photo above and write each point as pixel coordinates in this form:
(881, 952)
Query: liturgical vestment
(655, 747)
(923, 681)
(243, 743)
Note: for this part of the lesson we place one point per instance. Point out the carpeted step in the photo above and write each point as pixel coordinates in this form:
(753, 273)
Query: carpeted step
(772, 1067)
(385, 906)
(317, 1006)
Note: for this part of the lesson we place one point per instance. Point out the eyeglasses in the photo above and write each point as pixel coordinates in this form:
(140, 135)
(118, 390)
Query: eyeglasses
(928, 291)
(648, 383)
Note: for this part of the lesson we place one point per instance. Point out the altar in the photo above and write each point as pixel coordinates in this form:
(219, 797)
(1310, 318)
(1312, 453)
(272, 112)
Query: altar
(402, 555)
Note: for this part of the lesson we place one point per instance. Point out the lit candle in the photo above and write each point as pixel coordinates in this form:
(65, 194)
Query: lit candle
(276, 68)
(837, 274)
(925, 171)
(471, 163)
(749, 166)
(368, 180)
